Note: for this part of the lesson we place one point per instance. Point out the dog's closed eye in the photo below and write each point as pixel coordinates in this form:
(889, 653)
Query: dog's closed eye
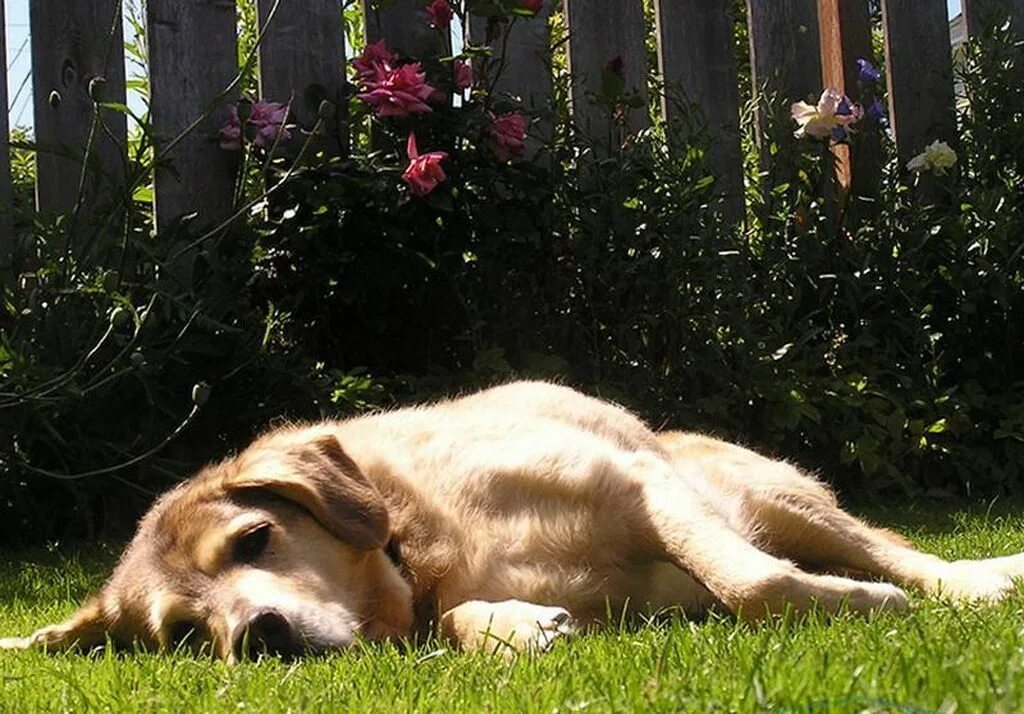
(249, 546)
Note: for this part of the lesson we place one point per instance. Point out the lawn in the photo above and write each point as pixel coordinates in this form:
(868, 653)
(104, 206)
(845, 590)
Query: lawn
(940, 658)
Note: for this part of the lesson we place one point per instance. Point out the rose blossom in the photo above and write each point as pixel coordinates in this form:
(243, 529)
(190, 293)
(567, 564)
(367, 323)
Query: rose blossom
(533, 6)
(398, 92)
(268, 118)
(424, 172)
(440, 14)
(507, 134)
(463, 75)
(373, 57)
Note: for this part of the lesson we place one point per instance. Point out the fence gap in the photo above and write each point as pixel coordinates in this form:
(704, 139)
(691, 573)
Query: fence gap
(193, 59)
(73, 42)
(6, 195)
(302, 57)
(845, 38)
(699, 69)
(920, 69)
(598, 34)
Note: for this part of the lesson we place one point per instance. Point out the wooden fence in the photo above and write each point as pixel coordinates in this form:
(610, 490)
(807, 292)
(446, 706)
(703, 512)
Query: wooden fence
(801, 45)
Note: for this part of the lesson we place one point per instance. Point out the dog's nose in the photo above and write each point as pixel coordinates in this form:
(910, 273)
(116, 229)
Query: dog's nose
(267, 631)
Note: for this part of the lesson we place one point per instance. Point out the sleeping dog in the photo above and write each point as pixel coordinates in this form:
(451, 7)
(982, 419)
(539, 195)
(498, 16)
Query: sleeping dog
(505, 519)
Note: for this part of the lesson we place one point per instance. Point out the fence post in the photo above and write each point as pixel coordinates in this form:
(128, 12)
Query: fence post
(785, 46)
(73, 42)
(695, 43)
(600, 32)
(6, 204)
(920, 68)
(405, 26)
(302, 56)
(193, 59)
(526, 70)
(845, 38)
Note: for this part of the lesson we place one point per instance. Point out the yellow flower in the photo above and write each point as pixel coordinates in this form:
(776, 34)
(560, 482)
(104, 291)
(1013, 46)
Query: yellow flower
(937, 157)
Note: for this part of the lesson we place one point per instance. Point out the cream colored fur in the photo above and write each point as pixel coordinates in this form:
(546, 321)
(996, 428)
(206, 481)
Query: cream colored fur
(515, 513)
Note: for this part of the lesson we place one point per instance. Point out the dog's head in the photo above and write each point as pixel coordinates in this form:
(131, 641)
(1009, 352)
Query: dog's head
(278, 549)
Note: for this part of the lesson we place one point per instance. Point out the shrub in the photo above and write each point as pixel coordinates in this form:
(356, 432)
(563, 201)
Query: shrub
(877, 342)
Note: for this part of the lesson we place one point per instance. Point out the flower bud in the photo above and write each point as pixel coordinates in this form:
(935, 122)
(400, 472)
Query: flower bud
(97, 88)
(119, 317)
(326, 110)
(200, 393)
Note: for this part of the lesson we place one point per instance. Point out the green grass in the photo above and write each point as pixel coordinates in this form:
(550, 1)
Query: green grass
(940, 658)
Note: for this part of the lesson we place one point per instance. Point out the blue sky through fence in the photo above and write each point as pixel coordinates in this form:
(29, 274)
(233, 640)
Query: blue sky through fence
(19, 61)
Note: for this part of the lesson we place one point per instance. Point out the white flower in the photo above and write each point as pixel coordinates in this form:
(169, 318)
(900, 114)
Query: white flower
(821, 120)
(937, 157)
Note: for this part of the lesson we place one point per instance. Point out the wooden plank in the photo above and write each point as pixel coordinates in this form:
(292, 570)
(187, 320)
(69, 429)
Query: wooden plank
(73, 42)
(600, 32)
(845, 38)
(920, 69)
(6, 205)
(302, 58)
(522, 66)
(695, 55)
(982, 13)
(193, 58)
(785, 47)
(405, 27)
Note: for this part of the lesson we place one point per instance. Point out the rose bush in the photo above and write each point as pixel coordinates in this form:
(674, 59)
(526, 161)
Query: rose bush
(466, 239)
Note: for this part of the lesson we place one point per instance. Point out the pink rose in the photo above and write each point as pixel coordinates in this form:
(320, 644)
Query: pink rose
(440, 14)
(398, 92)
(533, 6)
(507, 134)
(373, 57)
(268, 118)
(463, 75)
(424, 172)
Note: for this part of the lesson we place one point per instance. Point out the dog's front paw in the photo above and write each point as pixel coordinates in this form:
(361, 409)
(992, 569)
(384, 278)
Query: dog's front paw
(540, 626)
(508, 628)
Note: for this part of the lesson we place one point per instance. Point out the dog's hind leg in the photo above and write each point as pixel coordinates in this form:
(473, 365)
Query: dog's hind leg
(826, 536)
(792, 515)
(798, 518)
(690, 531)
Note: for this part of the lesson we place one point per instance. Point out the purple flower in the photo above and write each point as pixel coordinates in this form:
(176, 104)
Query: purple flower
(868, 73)
(876, 113)
(839, 133)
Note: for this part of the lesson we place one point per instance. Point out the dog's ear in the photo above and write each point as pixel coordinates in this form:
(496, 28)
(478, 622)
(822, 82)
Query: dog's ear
(320, 477)
(86, 628)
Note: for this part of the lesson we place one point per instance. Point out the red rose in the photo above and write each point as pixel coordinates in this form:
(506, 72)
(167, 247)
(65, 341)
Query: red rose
(424, 172)
(440, 14)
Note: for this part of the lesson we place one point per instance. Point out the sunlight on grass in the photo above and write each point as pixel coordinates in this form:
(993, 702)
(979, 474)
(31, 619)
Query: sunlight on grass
(937, 659)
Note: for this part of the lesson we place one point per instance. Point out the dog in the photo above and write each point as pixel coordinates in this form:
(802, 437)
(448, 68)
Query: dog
(506, 520)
